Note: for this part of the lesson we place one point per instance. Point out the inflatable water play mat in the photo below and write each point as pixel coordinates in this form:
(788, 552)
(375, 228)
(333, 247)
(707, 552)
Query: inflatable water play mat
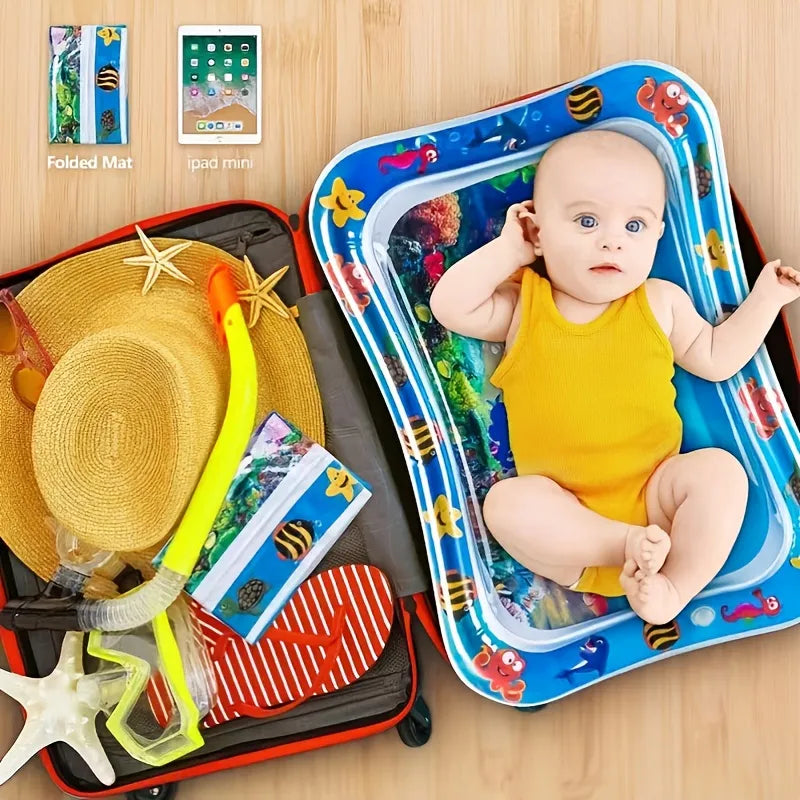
(390, 214)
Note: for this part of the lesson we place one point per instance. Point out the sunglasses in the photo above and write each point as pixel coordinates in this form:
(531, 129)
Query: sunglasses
(19, 339)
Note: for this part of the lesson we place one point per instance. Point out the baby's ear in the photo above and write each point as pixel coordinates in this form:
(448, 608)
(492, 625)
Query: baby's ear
(532, 230)
(661, 232)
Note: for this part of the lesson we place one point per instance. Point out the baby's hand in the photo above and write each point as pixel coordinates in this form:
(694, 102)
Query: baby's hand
(517, 231)
(779, 283)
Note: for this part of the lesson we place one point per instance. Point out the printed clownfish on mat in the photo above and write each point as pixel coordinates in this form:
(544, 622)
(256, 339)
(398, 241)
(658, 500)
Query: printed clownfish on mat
(107, 78)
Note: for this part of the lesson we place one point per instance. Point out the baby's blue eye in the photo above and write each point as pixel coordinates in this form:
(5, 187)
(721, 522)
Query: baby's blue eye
(587, 221)
(634, 226)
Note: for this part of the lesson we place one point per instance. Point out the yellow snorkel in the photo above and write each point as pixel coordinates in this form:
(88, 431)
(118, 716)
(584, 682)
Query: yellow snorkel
(165, 650)
(142, 604)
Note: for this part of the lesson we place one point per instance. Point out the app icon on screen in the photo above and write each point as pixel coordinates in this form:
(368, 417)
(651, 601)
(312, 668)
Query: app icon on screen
(245, 47)
(211, 48)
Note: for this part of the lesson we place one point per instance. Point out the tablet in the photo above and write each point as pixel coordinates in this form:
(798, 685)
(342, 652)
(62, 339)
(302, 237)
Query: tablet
(219, 84)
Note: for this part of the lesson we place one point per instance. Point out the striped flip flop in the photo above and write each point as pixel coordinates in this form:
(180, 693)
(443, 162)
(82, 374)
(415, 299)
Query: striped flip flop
(332, 630)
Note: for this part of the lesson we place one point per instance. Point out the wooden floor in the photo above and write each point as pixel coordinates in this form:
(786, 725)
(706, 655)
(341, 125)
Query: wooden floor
(719, 723)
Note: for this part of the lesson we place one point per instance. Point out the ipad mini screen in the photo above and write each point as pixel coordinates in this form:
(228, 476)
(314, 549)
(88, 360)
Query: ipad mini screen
(219, 91)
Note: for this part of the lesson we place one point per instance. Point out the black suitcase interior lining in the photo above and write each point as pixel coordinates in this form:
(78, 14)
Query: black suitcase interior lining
(361, 435)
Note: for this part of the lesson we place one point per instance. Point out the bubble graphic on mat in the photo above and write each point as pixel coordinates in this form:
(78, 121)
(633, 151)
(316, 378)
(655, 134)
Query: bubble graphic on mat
(536, 116)
(703, 616)
(547, 128)
(454, 136)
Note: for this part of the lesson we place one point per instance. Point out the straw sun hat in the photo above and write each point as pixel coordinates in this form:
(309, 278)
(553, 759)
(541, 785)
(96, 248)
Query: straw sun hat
(133, 406)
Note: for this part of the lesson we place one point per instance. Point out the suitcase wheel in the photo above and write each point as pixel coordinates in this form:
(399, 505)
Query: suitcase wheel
(166, 792)
(415, 728)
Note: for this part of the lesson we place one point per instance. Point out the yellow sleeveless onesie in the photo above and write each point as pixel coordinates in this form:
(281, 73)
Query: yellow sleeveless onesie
(591, 406)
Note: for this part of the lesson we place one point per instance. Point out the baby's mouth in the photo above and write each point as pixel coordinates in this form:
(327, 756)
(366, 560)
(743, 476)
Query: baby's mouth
(606, 269)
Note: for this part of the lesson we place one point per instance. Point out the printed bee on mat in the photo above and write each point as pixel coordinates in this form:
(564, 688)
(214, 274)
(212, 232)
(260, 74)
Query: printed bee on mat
(425, 436)
(461, 592)
(293, 539)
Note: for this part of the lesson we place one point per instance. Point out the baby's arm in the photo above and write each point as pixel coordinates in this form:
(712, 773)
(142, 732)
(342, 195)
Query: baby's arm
(474, 297)
(716, 353)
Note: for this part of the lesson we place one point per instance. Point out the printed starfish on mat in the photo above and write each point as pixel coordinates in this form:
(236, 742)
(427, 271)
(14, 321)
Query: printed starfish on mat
(108, 35)
(259, 293)
(57, 710)
(157, 262)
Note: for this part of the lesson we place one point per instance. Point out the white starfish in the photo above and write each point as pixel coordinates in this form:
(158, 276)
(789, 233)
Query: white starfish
(60, 707)
(157, 262)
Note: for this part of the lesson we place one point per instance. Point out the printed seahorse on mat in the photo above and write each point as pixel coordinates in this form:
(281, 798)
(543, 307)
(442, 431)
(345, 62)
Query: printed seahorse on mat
(769, 607)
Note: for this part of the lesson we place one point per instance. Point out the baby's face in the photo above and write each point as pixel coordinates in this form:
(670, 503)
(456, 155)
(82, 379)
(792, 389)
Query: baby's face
(599, 205)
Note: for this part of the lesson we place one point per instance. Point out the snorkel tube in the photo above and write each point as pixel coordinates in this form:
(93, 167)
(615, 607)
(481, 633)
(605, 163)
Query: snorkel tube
(142, 604)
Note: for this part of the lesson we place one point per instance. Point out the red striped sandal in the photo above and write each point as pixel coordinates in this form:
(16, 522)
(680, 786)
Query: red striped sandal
(332, 630)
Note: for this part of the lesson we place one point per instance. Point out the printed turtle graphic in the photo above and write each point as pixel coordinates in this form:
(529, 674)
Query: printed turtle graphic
(247, 599)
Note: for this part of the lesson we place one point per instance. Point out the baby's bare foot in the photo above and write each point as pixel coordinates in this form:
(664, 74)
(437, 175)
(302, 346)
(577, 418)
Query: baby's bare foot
(648, 547)
(653, 597)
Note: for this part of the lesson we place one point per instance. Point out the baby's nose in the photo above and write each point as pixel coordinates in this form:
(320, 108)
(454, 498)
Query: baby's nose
(611, 243)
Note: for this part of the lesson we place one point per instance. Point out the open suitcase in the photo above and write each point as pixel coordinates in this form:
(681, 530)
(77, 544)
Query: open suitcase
(384, 534)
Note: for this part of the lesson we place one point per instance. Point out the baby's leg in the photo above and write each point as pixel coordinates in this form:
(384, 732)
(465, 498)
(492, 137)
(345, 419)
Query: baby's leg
(546, 528)
(702, 497)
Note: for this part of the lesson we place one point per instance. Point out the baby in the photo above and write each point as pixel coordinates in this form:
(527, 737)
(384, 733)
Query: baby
(604, 502)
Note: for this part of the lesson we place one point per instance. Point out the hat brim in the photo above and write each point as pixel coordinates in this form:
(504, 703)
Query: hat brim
(95, 291)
